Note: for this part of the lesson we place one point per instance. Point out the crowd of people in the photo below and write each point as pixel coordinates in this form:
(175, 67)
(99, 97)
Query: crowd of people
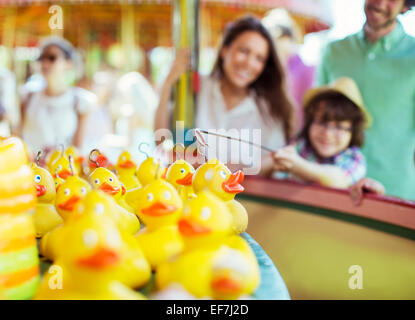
(355, 128)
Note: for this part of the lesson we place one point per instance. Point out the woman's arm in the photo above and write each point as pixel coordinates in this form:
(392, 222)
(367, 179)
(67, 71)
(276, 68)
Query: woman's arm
(79, 133)
(180, 65)
(287, 159)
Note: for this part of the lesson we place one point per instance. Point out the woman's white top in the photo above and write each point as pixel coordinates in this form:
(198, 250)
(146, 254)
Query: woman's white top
(53, 120)
(244, 121)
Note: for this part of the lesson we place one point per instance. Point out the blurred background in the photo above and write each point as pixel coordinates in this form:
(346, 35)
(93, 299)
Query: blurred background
(126, 50)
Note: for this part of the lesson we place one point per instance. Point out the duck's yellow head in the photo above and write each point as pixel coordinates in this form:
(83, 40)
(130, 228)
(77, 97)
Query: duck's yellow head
(205, 218)
(94, 248)
(217, 178)
(62, 168)
(180, 173)
(149, 170)
(98, 203)
(69, 194)
(126, 163)
(106, 180)
(158, 204)
(44, 184)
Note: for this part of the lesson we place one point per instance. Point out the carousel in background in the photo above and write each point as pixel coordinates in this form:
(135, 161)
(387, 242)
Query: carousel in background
(131, 44)
(318, 240)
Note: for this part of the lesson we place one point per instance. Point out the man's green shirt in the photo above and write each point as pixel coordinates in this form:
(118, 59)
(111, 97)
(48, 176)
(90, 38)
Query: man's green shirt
(385, 74)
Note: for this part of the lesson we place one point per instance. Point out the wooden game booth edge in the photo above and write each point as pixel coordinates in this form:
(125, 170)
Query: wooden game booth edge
(374, 211)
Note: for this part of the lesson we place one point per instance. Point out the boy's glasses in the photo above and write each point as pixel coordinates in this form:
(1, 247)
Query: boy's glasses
(50, 57)
(337, 128)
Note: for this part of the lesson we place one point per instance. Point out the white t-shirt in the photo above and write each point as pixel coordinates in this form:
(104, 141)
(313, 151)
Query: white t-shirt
(53, 120)
(244, 121)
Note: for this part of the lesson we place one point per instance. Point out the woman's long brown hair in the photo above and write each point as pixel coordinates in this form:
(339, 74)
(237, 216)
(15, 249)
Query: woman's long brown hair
(270, 85)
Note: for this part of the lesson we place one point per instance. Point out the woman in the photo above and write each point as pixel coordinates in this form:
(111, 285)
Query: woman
(57, 113)
(246, 90)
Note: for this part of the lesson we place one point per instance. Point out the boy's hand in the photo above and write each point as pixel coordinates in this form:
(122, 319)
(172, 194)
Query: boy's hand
(285, 159)
(365, 185)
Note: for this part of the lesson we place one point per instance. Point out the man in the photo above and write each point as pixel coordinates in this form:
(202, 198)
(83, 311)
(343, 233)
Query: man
(381, 59)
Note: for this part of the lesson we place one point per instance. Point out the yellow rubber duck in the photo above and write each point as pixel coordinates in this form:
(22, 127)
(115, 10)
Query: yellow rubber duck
(63, 167)
(92, 266)
(69, 194)
(106, 180)
(101, 204)
(206, 221)
(149, 170)
(227, 272)
(216, 177)
(180, 174)
(45, 217)
(159, 207)
(126, 170)
(215, 263)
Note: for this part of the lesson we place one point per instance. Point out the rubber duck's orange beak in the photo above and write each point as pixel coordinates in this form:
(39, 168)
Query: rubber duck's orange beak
(109, 189)
(100, 259)
(128, 164)
(69, 204)
(187, 180)
(232, 185)
(189, 228)
(158, 209)
(80, 159)
(225, 285)
(64, 174)
(40, 190)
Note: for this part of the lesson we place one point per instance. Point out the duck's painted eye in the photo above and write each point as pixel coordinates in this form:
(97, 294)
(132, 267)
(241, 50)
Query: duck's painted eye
(83, 190)
(59, 167)
(96, 181)
(150, 197)
(90, 238)
(222, 174)
(99, 208)
(182, 170)
(186, 211)
(167, 195)
(38, 178)
(209, 175)
(113, 239)
(81, 208)
(111, 179)
(205, 214)
(67, 192)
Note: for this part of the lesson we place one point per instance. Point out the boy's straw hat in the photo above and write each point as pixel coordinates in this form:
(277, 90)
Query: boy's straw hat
(345, 86)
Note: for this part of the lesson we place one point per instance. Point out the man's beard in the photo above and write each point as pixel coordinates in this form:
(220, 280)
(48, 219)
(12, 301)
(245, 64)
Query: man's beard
(384, 25)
